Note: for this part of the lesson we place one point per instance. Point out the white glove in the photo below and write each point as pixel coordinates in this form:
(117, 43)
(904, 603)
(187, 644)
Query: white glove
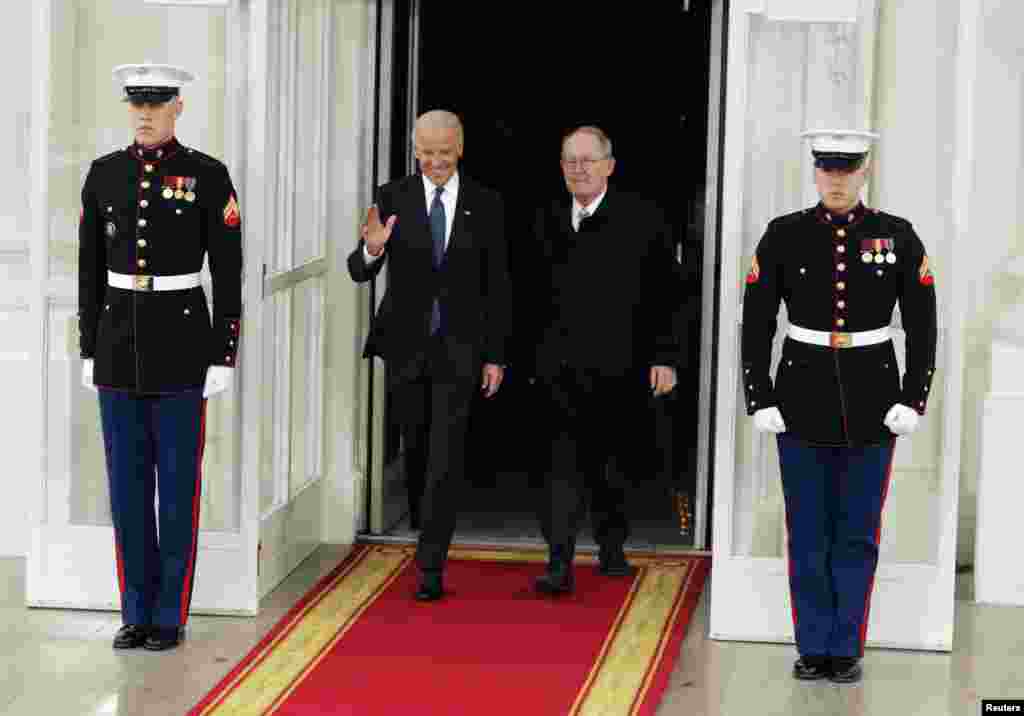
(218, 378)
(901, 419)
(87, 368)
(769, 420)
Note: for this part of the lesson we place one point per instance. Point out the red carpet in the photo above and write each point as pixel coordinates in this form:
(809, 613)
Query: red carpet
(359, 644)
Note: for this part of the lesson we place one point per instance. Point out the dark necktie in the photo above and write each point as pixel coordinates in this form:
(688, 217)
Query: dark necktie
(437, 231)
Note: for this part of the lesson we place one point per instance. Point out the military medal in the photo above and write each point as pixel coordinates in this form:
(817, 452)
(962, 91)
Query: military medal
(866, 257)
(168, 193)
(179, 193)
(190, 185)
(879, 259)
(890, 257)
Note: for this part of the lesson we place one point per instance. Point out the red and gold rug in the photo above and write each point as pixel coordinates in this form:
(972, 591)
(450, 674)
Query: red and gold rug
(359, 644)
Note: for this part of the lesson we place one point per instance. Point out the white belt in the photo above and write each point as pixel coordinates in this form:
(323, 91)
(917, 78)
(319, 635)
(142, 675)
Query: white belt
(142, 282)
(855, 339)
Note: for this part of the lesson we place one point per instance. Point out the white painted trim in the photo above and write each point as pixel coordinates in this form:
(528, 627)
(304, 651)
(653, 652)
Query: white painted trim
(41, 66)
(708, 308)
(251, 22)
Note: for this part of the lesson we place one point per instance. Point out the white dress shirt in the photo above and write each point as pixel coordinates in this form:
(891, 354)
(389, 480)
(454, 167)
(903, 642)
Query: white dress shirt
(449, 197)
(578, 209)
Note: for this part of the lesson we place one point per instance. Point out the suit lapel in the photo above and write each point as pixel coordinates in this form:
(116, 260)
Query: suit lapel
(463, 208)
(416, 209)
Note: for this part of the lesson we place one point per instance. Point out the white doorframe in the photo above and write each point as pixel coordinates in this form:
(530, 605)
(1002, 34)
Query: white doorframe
(72, 565)
(913, 602)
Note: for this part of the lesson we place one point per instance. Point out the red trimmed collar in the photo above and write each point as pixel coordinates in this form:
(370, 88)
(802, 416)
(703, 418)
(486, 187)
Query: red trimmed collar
(156, 153)
(849, 218)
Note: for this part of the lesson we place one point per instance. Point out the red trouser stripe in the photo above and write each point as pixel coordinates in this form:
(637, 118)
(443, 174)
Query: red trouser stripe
(878, 540)
(120, 563)
(186, 590)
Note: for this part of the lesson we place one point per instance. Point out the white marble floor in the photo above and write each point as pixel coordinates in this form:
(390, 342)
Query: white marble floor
(60, 663)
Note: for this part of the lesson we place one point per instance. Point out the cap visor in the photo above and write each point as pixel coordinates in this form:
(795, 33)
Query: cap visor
(146, 98)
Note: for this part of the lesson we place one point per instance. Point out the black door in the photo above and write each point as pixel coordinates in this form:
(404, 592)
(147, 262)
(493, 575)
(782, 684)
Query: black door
(519, 77)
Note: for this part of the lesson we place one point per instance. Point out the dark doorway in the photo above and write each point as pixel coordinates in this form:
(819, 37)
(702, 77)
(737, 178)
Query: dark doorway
(519, 81)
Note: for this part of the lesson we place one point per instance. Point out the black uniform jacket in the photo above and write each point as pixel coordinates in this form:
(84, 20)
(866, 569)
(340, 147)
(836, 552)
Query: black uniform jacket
(154, 342)
(472, 282)
(606, 299)
(839, 274)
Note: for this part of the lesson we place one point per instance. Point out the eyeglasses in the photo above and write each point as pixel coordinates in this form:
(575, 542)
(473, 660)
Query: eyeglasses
(585, 162)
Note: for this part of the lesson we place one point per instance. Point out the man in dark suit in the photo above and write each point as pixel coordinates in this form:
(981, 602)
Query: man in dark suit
(607, 302)
(441, 324)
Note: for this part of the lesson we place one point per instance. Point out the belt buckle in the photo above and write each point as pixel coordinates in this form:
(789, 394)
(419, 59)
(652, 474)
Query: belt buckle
(143, 283)
(840, 340)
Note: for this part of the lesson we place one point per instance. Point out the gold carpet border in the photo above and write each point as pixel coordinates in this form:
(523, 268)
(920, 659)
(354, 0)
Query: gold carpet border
(617, 683)
(256, 659)
(515, 554)
(623, 674)
(287, 661)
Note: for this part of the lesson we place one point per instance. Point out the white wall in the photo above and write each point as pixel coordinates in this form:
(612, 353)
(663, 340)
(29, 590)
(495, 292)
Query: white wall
(345, 407)
(89, 38)
(20, 466)
(916, 113)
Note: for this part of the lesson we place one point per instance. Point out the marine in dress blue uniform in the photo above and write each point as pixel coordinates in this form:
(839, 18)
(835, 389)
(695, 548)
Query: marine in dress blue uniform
(837, 402)
(150, 215)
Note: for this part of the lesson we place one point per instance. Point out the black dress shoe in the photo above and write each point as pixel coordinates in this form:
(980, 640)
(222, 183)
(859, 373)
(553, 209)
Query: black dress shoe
(164, 638)
(431, 587)
(811, 668)
(845, 670)
(131, 636)
(612, 563)
(555, 582)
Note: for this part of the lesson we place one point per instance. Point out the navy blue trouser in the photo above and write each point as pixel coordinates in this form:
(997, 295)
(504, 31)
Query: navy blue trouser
(834, 498)
(154, 442)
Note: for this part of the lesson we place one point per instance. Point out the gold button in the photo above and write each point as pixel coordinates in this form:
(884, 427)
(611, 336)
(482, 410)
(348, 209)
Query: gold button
(142, 263)
(841, 249)
(828, 217)
(142, 222)
(110, 209)
(840, 322)
(187, 312)
(841, 233)
(177, 211)
(841, 285)
(143, 203)
(145, 185)
(227, 359)
(148, 167)
(159, 153)
(141, 243)
(841, 304)
(841, 267)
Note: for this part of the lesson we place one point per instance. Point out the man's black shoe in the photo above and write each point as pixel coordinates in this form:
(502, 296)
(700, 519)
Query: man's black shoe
(612, 563)
(164, 638)
(845, 670)
(431, 588)
(811, 668)
(131, 636)
(559, 581)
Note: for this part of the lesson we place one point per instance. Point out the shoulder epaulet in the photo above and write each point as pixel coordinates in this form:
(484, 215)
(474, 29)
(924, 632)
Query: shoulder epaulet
(201, 156)
(108, 157)
(890, 219)
(795, 216)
